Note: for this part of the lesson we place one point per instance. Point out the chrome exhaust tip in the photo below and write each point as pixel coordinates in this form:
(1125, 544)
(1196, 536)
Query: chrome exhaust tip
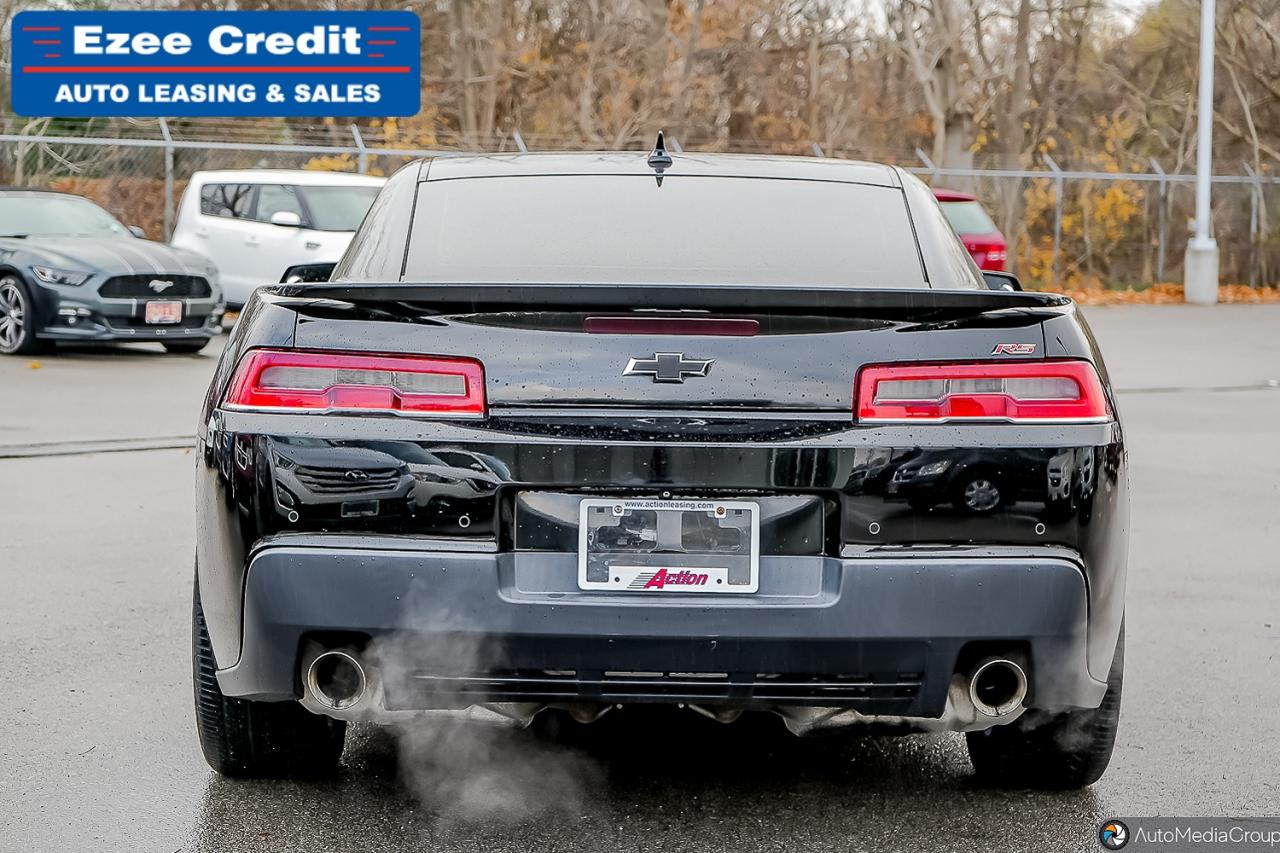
(337, 680)
(997, 687)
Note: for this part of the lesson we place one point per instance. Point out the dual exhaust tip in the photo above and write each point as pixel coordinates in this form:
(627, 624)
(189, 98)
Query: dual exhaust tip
(997, 687)
(337, 680)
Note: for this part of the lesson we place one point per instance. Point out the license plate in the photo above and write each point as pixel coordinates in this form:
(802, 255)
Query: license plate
(666, 546)
(163, 313)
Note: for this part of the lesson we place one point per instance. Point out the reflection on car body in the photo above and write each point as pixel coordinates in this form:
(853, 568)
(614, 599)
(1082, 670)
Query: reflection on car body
(322, 479)
(980, 481)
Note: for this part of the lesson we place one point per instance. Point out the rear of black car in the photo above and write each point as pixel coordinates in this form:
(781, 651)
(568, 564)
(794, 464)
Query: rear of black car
(754, 438)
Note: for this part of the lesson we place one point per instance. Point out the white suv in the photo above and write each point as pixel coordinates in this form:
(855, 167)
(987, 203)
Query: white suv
(256, 223)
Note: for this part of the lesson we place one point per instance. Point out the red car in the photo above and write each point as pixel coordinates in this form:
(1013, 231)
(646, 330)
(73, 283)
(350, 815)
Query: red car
(978, 233)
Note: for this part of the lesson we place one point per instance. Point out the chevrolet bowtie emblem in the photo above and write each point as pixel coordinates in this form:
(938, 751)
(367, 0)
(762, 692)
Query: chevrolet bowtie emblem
(668, 367)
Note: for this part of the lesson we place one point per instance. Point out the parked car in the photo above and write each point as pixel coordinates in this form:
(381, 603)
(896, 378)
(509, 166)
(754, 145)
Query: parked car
(70, 271)
(254, 224)
(649, 405)
(980, 481)
(976, 230)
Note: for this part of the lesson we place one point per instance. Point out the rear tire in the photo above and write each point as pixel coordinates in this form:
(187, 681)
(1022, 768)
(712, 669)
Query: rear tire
(1052, 751)
(251, 739)
(185, 347)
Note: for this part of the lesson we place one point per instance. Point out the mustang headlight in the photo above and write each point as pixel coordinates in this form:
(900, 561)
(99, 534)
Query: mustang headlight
(934, 468)
(51, 276)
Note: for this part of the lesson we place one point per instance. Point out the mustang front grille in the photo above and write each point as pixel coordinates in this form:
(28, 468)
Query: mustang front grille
(155, 286)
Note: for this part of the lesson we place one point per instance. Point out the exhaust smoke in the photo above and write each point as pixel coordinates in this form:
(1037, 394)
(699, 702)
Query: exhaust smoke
(463, 764)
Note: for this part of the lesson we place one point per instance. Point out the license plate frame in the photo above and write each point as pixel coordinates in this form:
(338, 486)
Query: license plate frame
(613, 567)
(163, 312)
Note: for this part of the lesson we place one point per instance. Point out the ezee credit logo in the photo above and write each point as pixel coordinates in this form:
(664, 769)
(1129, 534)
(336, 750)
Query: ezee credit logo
(215, 63)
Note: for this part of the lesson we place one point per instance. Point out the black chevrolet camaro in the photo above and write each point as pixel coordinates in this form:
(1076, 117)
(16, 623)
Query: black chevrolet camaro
(70, 271)
(572, 433)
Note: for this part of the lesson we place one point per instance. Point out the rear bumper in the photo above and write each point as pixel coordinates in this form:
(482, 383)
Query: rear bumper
(878, 632)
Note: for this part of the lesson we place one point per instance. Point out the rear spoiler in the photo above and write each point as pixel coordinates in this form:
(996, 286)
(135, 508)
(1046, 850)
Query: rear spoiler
(672, 297)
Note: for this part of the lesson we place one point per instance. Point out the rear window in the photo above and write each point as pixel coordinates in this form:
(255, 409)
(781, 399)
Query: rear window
(626, 229)
(967, 217)
(337, 208)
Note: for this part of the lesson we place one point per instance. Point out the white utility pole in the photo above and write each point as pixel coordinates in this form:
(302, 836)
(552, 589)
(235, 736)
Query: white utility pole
(1200, 274)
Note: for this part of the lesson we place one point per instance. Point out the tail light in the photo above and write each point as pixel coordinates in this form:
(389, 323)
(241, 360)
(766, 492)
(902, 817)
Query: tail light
(299, 380)
(1013, 392)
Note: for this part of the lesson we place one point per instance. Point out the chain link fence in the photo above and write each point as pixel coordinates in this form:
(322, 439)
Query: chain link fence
(1066, 227)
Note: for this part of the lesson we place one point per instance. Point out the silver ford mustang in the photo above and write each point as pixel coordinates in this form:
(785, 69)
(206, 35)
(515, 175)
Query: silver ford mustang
(70, 271)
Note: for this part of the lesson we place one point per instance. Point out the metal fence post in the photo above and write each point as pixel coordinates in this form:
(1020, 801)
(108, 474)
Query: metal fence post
(1255, 225)
(362, 158)
(1057, 214)
(1161, 217)
(928, 164)
(168, 179)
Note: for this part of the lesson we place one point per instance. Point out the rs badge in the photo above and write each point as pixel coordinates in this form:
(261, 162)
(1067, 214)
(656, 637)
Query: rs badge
(1013, 349)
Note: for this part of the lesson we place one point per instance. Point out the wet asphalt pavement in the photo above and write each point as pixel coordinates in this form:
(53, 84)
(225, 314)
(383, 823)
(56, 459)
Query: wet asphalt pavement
(97, 749)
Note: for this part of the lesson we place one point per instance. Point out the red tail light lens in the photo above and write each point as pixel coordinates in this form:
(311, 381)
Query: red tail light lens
(298, 380)
(1019, 392)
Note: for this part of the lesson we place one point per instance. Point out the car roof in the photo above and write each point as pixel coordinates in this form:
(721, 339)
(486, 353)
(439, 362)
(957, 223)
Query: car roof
(7, 190)
(297, 177)
(452, 167)
(952, 195)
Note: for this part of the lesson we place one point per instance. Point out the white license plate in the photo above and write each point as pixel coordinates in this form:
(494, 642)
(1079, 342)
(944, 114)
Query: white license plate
(669, 546)
(163, 313)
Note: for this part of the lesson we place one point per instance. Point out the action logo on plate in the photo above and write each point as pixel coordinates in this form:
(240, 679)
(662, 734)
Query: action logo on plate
(644, 579)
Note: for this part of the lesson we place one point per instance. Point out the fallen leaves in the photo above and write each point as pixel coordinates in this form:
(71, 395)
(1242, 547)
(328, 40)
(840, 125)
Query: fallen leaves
(1170, 294)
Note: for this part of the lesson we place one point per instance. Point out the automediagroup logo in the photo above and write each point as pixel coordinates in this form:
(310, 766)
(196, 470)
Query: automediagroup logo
(1114, 835)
